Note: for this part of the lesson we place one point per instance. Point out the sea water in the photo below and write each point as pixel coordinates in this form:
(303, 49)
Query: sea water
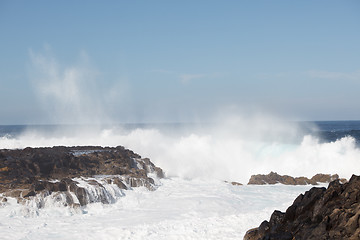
(193, 201)
(179, 209)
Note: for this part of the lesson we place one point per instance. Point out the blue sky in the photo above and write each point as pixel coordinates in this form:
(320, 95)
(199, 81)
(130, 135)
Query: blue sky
(171, 61)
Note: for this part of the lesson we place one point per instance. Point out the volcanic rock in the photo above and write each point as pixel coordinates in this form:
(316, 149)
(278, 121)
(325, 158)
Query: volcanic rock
(274, 178)
(324, 178)
(26, 173)
(320, 213)
(234, 183)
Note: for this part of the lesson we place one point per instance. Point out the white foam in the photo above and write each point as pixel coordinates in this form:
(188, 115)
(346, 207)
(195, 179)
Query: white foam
(179, 209)
(216, 153)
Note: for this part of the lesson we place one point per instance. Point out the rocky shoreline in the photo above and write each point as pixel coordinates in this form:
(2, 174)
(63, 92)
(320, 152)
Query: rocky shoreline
(77, 176)
(274, 178)
(74, 175)
(320, 213)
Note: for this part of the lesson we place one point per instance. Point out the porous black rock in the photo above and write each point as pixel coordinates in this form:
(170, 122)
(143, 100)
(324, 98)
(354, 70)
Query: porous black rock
(30, 171)
(320, 213)
(274, 178)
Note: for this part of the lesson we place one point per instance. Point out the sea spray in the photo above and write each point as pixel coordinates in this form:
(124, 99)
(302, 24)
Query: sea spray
(195, 209)
(214, 150)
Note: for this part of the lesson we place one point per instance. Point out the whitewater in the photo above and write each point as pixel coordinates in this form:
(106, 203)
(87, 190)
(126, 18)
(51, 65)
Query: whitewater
(178, 209)
(194, 201)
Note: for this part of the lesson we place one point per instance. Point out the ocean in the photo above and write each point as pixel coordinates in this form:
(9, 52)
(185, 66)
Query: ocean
(193, 201)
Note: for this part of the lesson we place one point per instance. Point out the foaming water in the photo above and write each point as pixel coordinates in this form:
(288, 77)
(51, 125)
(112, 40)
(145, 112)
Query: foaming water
(195, 202)
(230, 151)
(179, 209)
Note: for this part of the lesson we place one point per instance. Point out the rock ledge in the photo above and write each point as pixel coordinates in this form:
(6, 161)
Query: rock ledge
(274, 178)
(74, 175)
(320, 213)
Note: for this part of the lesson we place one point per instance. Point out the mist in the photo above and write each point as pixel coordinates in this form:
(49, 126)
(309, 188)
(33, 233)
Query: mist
(229, 144)
(217, 151)
(69, 94)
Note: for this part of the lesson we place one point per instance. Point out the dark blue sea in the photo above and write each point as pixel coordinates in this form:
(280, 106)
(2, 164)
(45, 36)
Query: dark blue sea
(329, 131)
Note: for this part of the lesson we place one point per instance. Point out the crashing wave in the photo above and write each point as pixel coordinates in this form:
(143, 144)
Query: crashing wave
(47, 177)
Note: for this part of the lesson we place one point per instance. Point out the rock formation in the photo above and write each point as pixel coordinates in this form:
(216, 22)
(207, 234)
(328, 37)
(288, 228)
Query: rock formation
(234, 183)
(76, 175)
(274, 178)
(320, 213)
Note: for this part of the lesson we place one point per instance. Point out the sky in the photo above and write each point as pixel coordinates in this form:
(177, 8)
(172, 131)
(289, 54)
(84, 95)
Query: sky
(178, 61)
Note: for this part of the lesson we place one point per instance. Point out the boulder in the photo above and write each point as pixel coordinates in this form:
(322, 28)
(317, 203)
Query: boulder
(324, 178)
(320, 213)
(234, 183)
(271, 178)
(24, 173)
(274, 178)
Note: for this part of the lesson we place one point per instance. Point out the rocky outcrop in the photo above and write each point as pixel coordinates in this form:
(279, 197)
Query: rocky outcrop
(326, 178)
(320, 213)
(274, 178)
(234, 183)
(75, 175)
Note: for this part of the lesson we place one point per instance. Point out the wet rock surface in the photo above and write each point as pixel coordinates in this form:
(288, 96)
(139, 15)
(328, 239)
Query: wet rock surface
(320, 213)
(234, 183)
(30, 172)
(274, 178)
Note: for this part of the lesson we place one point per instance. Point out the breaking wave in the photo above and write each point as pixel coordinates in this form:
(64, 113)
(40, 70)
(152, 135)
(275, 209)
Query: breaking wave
(217, 152)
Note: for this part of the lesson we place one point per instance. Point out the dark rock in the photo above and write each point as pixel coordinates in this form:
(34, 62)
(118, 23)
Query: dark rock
(264, 227)
(39, 186)
(276, 218)
(30, 194)
(274, 178)
(118, 182)
(27, 172)
(252, 234)
(79, 192)
(234, 183)
(332, 213)
(323, 178)
(304, 181)
(271, 178)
